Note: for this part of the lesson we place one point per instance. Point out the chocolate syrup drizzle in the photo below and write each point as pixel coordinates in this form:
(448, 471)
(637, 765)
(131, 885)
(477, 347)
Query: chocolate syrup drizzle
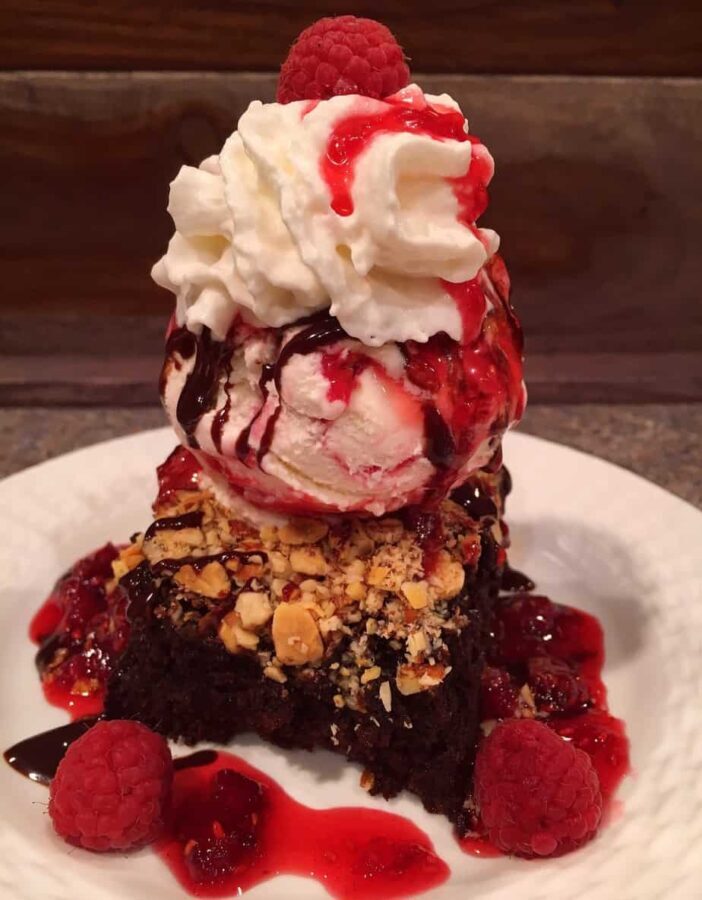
(475, 500)
(320, 329)
(199, 393)
(174, 523)
(38, 757)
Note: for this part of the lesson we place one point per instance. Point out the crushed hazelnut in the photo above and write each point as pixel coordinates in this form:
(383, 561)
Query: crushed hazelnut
(371, 674)
(447, 578)
(279, 563)
(356, 590)
(367, 780)
(416, 644)
(254, 608)
(385, 531)
(377, 575)
(128, 559)
(275, 674)
(303, 531)
(234, 636)
(173, 544)
(385, 694)
(308, 560)
(211, 581)
(417, 593)
(295, 635)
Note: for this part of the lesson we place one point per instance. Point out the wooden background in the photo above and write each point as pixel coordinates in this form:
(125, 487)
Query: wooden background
(592, 109)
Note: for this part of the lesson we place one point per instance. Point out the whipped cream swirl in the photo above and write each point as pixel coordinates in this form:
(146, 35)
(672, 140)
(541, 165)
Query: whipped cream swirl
(257, 233)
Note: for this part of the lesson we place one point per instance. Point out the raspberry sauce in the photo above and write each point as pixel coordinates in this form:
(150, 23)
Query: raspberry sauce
(81, 629)
(356, 853)
(352, 134)
(545, 660)
(233, 827)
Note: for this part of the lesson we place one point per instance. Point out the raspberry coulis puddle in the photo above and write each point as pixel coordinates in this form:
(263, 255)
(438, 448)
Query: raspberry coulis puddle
(354, 852)
(545, 660)
(81, 629)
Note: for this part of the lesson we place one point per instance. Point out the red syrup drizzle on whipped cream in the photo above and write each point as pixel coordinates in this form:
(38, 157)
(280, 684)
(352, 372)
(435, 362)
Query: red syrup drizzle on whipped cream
(352, 134)
(559, 652)
(356, 853)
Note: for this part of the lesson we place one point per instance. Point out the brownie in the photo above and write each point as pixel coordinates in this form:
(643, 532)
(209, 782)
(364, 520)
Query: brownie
(389, 673)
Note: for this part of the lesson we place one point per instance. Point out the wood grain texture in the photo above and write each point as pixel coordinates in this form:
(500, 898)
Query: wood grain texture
(632, 37)
(595, 196)
(131, 380)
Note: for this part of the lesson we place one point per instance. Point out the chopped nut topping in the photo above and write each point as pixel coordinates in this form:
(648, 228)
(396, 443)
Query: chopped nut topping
(371, 674)
(307, 593)
(385, 531)
(303, 531)
(407, 682)
(367, 780)
(385, 694)
(416, 644)
(295, 635)
(254, 608)
(417, 593)
(356, 590)
(211, 581)
(275, 674)
(128, 559)
(448, 577)
(308, 561)
(234, 636)
(173, 544)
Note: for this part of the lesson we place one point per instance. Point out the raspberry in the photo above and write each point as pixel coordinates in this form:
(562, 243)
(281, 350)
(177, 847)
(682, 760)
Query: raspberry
(537, 794)
(343, 55)
(112, 789)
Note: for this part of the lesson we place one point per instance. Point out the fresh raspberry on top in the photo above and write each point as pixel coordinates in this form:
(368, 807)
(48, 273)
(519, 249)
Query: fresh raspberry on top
(537, 794)
(112, 789)
(343, 55)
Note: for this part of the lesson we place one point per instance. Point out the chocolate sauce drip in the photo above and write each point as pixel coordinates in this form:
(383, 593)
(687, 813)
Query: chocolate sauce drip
(46, 653)
(268, 434)
(322, 329)
(195, 760)
(174, 523)
(142, 591)
(37, 757)
(199, 392)
(475, 500)
(319, 330)
(506, 482)
(199, 562)
(243, 445)
(440, 445)
(221, 419)
(495, 462)
(514, 580)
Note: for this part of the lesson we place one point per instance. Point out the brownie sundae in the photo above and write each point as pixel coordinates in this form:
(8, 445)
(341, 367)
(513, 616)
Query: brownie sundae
(327, 561)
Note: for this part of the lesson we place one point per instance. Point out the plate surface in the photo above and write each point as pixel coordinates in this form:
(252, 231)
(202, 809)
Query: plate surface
(591, 534)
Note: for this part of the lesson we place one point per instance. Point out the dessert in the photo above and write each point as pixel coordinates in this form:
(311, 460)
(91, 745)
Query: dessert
(327, 561)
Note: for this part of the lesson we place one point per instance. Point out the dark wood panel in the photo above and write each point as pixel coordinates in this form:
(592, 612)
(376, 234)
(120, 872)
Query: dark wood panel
(129, 380)
(574, 36)
(596, 198)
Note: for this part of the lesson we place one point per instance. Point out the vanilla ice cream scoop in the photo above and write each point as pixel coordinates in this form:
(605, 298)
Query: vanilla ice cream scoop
(305, 419)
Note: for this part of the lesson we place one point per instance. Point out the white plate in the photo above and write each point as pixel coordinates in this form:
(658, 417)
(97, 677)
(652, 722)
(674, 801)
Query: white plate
(591, 534)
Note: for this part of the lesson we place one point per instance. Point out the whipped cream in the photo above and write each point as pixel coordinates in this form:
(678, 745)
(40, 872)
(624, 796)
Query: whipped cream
(257, 234)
